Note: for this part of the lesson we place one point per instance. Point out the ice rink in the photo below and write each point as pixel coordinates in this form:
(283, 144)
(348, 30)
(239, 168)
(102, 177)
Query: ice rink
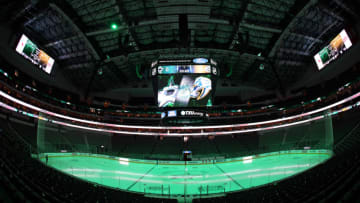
(173, 179)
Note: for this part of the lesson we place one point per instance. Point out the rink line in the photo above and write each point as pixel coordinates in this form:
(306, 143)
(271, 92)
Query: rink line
(141, 178)
(237, 183)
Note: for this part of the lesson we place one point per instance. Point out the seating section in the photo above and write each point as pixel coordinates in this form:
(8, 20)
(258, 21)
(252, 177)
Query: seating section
(202, 147)
(24, 179)
(141, 146)
(337, 180)
(238, 145)
(343, 124)
(26, 129)
(152, 147)
(168, 148)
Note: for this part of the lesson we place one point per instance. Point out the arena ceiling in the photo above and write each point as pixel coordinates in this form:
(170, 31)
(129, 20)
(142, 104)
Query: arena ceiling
(240, 34)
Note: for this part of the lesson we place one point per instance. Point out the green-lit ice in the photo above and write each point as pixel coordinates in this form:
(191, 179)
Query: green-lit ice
(180, 179)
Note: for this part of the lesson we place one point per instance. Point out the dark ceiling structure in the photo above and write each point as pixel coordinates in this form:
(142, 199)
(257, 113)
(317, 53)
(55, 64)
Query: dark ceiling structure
(118, 36)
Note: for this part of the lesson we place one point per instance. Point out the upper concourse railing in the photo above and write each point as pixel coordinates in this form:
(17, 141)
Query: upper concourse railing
(149, 130)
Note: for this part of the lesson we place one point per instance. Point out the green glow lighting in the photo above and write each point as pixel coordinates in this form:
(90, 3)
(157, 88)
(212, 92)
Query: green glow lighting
(262, 67)
(118, 172)
(139, 75)
(209, 103)
(230, 71)
(114, 26)
(100, 71)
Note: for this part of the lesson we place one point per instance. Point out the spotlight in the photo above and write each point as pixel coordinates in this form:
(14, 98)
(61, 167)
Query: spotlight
(100, 71)
(114, 26)
(262, 67)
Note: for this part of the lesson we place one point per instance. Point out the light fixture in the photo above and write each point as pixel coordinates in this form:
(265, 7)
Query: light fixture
(114, 26)
(100, 71)
(262, 67)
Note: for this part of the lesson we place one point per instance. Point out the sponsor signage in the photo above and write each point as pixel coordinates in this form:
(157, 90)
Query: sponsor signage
(172, 113)
(200, 60)
(192, 113)
(182, 113)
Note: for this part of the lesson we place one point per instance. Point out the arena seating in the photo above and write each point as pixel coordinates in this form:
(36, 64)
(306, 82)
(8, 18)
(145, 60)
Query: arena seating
(342, 124)
(28, 180)
(140, 146)
(168, 148)
(27, 129)
(154, 148)
(327, 182)
(201, 147)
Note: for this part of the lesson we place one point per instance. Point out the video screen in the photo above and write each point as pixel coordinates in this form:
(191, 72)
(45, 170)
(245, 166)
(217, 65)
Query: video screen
(184, 90)
(31, 52)
(337, 46)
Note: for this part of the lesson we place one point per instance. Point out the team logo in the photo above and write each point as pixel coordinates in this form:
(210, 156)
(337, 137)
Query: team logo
(201, 88)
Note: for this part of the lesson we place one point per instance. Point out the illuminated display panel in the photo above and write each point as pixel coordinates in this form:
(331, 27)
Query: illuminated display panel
(184, 90)
(173, 69)
(200, 60)
(336, 47)
(30, 51)
(19, 102)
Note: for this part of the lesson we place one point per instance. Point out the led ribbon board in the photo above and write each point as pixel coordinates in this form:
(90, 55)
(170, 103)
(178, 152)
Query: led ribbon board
(174, 69)
(200, 60)
(170, 134)
(5, 95)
